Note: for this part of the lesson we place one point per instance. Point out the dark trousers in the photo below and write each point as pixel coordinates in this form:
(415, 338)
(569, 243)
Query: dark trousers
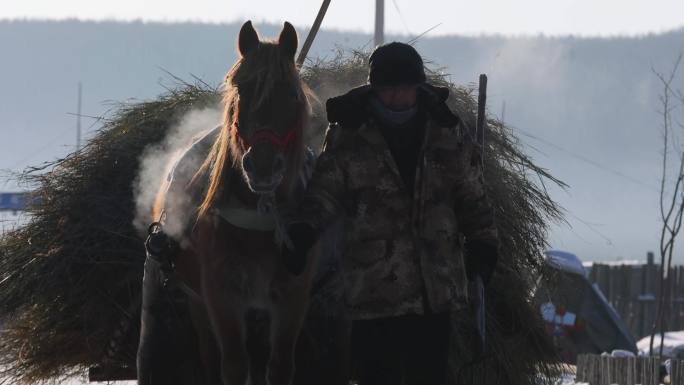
(406, 350)
(167, 354)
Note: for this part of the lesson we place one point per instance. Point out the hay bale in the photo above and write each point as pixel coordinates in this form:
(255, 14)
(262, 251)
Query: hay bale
(72, 274)
(70, 279)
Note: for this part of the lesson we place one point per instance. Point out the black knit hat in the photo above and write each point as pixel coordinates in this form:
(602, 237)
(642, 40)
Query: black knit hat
(395, 64)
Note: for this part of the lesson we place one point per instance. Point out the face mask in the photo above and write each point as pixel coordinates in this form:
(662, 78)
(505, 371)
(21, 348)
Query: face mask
(391, 117)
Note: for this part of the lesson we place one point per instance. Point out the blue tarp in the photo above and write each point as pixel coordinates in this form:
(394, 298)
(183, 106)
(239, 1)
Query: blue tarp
(577, 314)
(13, 201)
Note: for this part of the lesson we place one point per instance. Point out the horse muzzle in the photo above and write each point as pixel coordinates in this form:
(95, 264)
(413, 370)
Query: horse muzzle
(261, 178)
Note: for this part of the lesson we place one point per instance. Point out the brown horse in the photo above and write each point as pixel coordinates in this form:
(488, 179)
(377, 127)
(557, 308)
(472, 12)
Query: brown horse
(230, 246)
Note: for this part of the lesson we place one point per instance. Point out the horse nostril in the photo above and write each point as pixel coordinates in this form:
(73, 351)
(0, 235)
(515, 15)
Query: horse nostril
(278, 163)
(248, 162)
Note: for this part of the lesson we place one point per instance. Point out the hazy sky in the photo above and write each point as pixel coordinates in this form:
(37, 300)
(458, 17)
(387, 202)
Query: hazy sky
(551, 17)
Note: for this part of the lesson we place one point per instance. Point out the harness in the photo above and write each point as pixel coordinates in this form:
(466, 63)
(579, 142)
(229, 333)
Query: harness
(244, 217)
(161, 249)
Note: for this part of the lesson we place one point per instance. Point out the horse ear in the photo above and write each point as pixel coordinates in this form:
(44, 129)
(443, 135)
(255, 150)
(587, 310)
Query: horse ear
(248, 39)
(288, 40)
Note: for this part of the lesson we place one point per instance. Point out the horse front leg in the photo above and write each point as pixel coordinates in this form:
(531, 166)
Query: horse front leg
(287, 318)
(206, 344)
(226, 314)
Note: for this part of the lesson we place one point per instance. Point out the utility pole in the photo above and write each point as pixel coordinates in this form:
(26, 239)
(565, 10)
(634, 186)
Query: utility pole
(78, 119)
(379, 22)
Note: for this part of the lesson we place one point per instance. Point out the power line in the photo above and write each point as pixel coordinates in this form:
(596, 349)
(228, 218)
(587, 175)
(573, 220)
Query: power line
(401, 16)
(32, 154)
(590, 161)
(415, 39)
(592, 227)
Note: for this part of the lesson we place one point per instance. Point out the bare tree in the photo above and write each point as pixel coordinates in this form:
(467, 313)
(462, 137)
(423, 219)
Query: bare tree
(671, 192)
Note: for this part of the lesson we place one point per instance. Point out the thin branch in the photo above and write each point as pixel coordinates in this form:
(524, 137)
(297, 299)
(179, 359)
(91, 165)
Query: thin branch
(674, 213)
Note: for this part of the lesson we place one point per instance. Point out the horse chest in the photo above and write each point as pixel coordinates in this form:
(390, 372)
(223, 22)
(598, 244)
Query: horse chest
(245, 262)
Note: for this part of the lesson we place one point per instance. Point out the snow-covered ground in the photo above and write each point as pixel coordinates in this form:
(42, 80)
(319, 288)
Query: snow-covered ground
(80, 381)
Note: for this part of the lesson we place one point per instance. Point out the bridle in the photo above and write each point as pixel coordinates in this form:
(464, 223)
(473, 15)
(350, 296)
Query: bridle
(267, 203)
(280, 142)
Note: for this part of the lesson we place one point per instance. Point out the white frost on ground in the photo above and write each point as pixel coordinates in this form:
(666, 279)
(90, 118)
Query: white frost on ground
(673, 344)
(84, 381)
(78, 381)
(569, 379)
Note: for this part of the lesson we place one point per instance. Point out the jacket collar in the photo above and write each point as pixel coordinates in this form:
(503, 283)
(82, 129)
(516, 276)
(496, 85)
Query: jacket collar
(371, 133)
(350, 110)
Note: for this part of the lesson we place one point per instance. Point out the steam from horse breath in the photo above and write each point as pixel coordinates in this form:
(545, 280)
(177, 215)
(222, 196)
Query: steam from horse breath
(156, 163)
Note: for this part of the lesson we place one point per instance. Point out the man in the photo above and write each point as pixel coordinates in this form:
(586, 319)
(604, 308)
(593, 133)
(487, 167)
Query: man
(403, 173)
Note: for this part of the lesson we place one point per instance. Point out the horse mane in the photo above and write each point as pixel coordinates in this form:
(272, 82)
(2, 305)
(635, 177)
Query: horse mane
(265, 66)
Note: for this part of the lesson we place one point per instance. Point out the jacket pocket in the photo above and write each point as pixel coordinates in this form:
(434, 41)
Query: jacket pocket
(363, 254)
(440, 223)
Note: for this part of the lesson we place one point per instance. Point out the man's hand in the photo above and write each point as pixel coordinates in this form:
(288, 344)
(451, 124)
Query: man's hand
(303, 236)
(159, 245)
(480, 260)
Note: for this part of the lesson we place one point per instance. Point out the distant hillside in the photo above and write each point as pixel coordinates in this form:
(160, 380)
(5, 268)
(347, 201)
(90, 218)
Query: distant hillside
(587, 99)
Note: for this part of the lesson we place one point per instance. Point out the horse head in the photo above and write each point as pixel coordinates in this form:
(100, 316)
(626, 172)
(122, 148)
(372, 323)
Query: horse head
(266, 111)
(267, 108)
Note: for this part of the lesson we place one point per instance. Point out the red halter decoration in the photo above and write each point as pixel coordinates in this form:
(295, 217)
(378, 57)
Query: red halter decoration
(280, 142)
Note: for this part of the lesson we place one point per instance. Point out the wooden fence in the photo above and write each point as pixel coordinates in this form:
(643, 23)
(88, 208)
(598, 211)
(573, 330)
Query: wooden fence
(632, 289)
(606, 370)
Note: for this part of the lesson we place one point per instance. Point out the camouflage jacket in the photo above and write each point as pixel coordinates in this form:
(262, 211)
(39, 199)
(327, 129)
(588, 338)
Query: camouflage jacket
(401, 254)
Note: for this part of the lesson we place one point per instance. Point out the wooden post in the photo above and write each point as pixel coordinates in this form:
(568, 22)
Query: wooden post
(655, 371)
(312, 33)
(580, 373)
(646, 372)
(640, 371)
(631, 371)
(674, 372)
(481, 116)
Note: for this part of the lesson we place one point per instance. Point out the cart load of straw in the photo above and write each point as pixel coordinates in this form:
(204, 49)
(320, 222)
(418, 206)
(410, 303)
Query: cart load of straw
(70, 278)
